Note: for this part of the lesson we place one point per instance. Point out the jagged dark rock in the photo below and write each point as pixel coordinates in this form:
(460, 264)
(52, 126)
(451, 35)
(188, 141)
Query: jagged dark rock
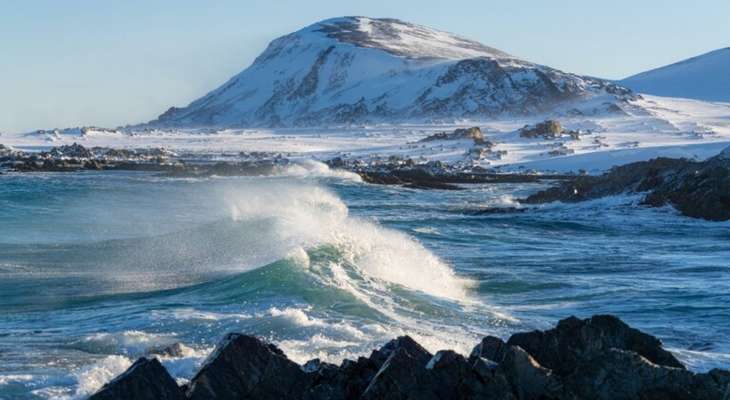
(696, 189)
(595, 358)
(572, 340)
(528, 379)
(244, 367)
(146, 379)
(621, 374)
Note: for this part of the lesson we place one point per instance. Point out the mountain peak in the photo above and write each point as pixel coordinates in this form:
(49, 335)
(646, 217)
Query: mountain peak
(361, 70)
(402, 38)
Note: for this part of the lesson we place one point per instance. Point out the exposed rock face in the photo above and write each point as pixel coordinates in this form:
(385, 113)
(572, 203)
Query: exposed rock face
(473, 133)
(71, 151)
(563, 347)
(146, 379)
(549, 129)
(244, 367)
(696, 189)
(621, 374)
(596, 358)
(529, 379)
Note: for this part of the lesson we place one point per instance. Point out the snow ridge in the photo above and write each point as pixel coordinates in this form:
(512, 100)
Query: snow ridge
(704, 77)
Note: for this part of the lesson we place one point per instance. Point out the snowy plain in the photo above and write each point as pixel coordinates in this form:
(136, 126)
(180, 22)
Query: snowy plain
(652, 127)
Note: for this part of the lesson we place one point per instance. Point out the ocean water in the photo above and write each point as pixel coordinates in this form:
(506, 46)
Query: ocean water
(97, 268)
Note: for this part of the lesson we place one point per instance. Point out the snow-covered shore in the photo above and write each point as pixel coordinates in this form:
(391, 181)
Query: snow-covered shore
(657, 127)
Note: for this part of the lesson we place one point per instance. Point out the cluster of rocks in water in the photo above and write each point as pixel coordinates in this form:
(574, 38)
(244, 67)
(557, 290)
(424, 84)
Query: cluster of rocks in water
(75, 157)
(595, 358)
(431, 175)
(699, 189)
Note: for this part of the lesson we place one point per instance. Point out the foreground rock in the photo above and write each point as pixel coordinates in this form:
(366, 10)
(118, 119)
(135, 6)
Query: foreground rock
(596, 358)
(146, 379)
(243, 367)
(696, 189)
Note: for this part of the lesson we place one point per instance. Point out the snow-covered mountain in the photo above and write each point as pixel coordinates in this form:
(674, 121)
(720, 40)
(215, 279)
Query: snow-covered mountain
(705, 77)
(362, 70)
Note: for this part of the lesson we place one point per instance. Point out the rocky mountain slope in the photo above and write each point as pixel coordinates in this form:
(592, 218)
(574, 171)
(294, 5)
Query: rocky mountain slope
(705, 77)
(355, 70)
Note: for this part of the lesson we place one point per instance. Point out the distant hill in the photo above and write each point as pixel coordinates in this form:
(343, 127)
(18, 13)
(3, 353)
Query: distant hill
(362, 70)
(705, 77)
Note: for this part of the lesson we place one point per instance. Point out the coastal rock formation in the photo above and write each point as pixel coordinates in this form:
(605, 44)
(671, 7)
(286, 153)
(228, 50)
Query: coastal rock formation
(244, 367)
(146, 379)
(572, 340)
(699, 189)
(76, 157)
(548, 129)
(473, 133)
(595, 358)
(432, 174)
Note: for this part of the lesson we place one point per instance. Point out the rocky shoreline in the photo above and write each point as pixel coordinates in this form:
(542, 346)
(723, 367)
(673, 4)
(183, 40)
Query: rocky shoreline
(403, 172)
(698, 189)
(75, 157)
(434, 174)
(596, 358)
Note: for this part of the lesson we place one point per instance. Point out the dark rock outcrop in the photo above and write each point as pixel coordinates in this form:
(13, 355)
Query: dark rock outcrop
(696, 189)
(572, 340)
(473, 133)
(595, 358)
(621, 374)
(546, 129)
(439, 176)
(528, 379)
(75, 157)
(603, 358)
(71, 151)
(244, 367)
(146, 379)
(549, 129)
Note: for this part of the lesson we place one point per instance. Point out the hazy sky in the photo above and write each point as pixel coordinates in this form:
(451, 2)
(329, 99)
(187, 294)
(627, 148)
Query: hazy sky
(108, 63)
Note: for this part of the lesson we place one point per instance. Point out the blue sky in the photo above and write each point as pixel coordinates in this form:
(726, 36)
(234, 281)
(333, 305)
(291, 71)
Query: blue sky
(73, 62)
